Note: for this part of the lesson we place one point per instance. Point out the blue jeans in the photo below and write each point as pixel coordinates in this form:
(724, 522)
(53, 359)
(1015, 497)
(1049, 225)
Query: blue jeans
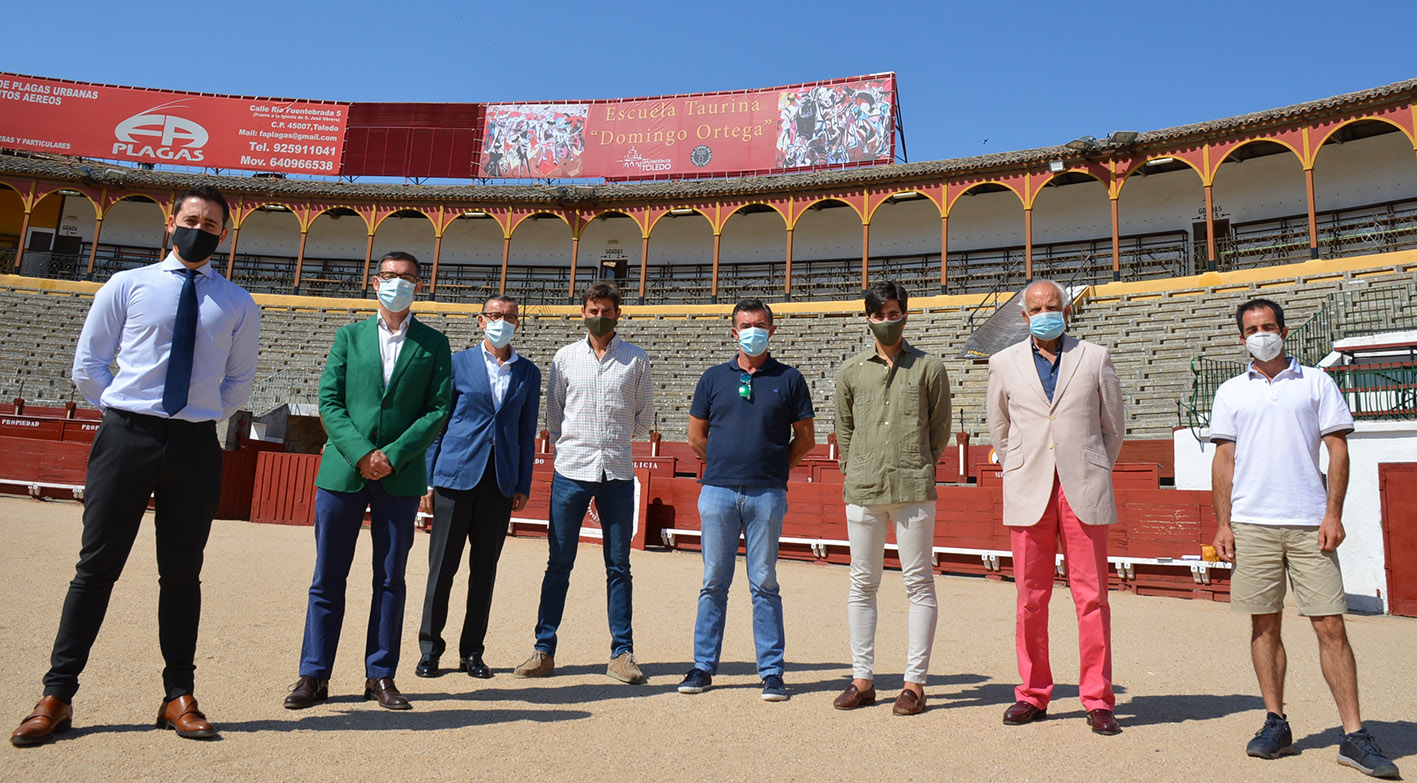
(570, 498)
(757, 513)
(338, 519)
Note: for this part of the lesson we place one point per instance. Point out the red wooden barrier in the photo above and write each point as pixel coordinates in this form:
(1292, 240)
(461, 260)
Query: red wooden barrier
(283, 489)
(238, 479)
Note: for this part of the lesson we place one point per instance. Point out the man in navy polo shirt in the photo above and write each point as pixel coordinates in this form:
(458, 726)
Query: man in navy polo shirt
(750, 422)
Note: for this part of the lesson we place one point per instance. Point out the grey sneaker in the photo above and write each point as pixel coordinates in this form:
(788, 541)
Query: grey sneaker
(1361, 752)
(773, 689)
(1272, 740)
(623, 668)
(538, 665)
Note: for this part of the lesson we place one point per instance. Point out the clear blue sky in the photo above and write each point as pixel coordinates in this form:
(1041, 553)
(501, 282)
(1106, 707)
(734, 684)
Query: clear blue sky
(1018, 74)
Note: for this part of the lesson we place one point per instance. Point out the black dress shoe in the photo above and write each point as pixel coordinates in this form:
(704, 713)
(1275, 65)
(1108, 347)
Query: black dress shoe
(1022, 712)
(383, 690)
(474, 667)
(306, 692)
(427, 666)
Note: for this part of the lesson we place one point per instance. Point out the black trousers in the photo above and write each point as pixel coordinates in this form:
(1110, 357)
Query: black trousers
(178, 463)
(479, 517)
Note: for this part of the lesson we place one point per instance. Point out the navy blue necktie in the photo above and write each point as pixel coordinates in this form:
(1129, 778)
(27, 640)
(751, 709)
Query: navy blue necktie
(184, 342)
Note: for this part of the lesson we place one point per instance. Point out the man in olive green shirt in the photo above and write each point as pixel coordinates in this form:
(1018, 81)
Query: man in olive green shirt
(892, 424)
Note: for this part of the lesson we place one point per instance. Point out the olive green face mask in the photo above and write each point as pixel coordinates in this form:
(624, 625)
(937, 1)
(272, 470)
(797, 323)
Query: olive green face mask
(600, 325)
(887, 332)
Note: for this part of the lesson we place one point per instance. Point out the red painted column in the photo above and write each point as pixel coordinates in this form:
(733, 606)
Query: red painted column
(1313, 214)
(1028, 243)
(944, 251)
(787, 284)
(93, 248)
(1116, 243)
(506, 256)
(865, 253)
(1210, 230)
(644, 265)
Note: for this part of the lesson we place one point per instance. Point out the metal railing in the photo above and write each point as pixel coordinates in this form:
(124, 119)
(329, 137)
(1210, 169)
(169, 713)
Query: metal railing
(1343, 315)
(270, 392)
(1378, 391)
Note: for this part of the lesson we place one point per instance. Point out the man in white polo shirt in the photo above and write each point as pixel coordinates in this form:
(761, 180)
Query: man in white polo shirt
(1276, 517)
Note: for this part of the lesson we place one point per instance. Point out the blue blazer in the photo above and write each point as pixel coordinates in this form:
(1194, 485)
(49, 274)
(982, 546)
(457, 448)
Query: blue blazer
(458, 457)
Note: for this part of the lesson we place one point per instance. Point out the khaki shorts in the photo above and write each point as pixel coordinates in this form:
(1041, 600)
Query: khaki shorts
(1263, 555)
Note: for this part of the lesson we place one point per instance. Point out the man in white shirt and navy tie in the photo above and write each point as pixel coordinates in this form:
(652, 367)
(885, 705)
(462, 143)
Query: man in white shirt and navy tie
(185, 341)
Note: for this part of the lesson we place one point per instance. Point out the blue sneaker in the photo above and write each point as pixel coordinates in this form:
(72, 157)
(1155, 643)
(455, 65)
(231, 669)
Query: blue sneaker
(696, 681)
(773, 689)
(1273, 740)
(1361, 752)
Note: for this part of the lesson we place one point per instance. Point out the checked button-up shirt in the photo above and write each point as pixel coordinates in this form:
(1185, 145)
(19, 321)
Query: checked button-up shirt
(595, 407)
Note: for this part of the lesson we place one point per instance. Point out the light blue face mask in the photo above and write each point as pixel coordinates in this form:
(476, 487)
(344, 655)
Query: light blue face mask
(499, 332)
(753, 340)
(1046, 325)
(396, 295)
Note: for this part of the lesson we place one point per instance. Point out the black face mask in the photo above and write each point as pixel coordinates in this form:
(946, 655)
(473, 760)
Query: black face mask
(193, 244)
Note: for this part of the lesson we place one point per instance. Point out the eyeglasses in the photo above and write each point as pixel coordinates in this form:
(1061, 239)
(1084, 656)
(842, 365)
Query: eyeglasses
(499, 316)
(745, 386)
(386, 276)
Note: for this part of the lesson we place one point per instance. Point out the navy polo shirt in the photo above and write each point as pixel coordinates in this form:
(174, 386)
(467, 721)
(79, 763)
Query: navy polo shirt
(1047, 371)
(749, 439)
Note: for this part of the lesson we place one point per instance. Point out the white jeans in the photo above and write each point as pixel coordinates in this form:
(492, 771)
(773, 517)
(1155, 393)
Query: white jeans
(866, 528)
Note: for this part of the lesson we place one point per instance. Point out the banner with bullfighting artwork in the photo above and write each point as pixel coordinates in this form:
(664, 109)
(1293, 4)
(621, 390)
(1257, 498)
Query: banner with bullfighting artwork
(839, 123)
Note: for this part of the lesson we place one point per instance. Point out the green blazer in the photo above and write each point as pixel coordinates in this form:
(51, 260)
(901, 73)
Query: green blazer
(360, 414)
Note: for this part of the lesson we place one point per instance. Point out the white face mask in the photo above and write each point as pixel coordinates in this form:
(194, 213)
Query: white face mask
(1264, 345)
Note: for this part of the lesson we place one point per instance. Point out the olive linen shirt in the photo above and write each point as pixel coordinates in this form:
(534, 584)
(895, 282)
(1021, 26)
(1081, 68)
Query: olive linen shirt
(892, 425)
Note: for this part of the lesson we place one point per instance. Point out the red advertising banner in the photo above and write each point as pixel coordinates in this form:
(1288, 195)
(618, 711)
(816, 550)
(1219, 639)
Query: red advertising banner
(173, 128)
(823, 124)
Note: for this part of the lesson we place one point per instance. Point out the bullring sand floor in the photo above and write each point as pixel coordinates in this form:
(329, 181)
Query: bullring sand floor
(1186, 693)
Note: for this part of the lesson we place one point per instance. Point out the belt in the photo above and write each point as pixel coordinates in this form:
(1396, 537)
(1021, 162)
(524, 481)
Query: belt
(162, 422)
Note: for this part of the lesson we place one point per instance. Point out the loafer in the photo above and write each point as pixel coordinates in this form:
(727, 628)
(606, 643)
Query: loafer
(1022, 712)
(1103, 722)
(307, 692)
(540, 664)
(383, 690)
(851, 698)
(51, 716)
(907, 703)
(474, 667)
(181, 715)
(427, 667)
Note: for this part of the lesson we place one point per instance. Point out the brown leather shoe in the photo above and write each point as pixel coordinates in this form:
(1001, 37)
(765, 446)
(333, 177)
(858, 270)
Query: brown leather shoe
(51, 716)
(181, 714)
(1103, 722)
(383, 690)
(907, 703)
(851, 698)
(306, 692)
(1022, 712)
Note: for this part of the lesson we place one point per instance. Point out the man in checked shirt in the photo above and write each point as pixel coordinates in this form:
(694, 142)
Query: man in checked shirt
(598, 398)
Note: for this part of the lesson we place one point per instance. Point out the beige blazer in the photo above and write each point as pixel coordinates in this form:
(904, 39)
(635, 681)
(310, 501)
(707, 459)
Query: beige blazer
(1078, 435)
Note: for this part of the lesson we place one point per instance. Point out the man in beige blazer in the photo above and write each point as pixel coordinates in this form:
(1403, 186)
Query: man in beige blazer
(1055, 420)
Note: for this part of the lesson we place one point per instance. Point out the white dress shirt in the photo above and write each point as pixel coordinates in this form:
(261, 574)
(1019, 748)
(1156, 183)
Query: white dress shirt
(499, 374)
(594, 407)
(390, 343)
(131, 322)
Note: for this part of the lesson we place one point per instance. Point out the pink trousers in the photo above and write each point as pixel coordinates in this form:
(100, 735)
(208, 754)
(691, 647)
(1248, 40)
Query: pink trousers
(1085, 553)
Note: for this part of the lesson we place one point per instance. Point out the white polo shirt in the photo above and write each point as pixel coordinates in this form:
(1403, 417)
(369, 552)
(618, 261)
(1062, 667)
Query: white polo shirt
(1277, 426)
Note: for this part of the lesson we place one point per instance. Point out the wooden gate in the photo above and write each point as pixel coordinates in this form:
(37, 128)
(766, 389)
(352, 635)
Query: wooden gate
(1397, 482)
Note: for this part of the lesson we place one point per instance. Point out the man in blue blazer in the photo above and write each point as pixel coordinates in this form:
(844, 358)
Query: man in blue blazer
(480, 466)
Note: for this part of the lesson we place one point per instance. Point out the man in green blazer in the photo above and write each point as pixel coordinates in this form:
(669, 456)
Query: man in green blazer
(384, 395)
